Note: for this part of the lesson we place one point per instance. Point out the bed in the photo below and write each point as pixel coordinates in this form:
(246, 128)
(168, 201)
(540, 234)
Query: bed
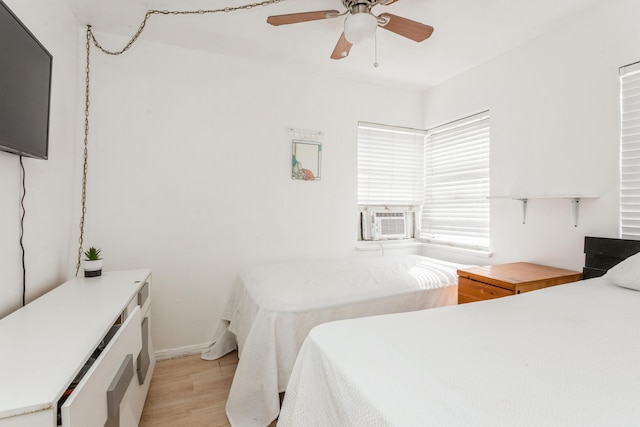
(273, 307)
(566, 355)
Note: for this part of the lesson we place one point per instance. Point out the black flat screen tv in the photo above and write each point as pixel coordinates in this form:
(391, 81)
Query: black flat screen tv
(25, 89)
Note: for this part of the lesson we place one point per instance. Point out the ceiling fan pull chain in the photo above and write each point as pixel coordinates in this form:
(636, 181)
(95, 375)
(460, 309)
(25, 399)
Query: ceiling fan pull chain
(375, 50)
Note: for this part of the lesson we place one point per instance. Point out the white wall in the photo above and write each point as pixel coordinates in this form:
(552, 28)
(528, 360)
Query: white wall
(190, 172)
(50, 184)
(554, 106)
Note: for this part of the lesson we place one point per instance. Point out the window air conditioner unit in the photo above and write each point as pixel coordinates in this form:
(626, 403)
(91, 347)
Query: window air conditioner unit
(386, 225)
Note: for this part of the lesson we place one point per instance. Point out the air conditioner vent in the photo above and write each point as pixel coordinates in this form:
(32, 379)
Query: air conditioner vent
(387, 225)
(391, 223)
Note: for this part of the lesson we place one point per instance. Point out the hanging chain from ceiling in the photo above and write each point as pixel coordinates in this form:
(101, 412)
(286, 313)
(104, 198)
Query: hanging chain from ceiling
(91, 38)
(177, 12)
(86, 147)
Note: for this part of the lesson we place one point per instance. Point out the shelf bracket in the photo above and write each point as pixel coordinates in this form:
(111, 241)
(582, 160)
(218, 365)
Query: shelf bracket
(574, 198)
(524, 209)
(575, 202)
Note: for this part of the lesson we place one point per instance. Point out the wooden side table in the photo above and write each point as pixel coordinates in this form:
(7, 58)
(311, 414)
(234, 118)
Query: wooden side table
(500, 280)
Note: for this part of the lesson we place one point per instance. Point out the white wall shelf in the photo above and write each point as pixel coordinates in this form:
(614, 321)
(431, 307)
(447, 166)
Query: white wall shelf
(574, 198)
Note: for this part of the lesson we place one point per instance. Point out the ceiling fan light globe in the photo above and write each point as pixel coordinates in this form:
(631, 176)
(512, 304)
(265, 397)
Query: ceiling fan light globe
(359, 27)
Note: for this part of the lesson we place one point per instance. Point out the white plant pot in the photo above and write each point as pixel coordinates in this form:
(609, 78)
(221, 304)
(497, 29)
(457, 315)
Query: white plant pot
(92, 268)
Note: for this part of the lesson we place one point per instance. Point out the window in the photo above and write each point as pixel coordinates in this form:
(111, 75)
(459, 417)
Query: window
(390, 165)
(442, 173)
(390, 174)
(630, 152)
(455, 208)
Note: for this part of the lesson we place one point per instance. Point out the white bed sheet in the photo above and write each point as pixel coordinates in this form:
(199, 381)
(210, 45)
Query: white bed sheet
(273, 307)
(567, 355)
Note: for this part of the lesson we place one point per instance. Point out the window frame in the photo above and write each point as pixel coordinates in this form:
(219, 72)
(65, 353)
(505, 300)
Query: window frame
(629, 191)
(435, 222)
(389, 179)
(382, 168)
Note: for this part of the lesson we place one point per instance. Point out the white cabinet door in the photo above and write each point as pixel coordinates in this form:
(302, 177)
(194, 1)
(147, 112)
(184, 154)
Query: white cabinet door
(87, 405)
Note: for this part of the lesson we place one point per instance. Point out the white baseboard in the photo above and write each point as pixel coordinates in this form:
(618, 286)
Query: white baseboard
(173, 353)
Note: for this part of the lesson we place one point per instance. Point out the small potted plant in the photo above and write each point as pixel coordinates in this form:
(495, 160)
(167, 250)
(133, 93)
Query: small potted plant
(92, 263)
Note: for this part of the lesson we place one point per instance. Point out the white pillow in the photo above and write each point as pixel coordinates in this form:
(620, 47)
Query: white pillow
(626, 273)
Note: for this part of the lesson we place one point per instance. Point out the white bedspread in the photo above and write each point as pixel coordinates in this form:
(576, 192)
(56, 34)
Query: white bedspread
(273, 307)
(563, 356)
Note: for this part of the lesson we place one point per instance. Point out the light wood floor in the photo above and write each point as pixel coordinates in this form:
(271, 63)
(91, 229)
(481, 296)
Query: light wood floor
(189, 391)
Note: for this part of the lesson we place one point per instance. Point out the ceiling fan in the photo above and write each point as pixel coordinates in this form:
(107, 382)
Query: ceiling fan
(359, 24)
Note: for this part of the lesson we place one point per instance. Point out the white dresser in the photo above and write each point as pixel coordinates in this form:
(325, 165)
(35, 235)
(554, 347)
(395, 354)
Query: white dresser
(80, 355)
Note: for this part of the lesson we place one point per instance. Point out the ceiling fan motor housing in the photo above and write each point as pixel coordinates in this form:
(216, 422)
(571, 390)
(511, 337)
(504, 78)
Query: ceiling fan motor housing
(351, 4)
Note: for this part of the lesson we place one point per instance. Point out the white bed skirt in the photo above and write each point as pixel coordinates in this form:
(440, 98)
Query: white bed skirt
(272, 309)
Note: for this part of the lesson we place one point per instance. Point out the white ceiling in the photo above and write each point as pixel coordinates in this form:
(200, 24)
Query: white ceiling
(467, 33)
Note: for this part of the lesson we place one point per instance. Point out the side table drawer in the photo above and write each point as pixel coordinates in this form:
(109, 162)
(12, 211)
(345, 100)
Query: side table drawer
(471, 290)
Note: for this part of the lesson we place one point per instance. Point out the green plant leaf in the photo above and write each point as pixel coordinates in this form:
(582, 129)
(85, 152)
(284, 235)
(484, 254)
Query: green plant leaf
(92, 254)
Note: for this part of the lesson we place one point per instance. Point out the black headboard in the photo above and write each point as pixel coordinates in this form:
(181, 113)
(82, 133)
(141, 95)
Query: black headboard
(602, 253)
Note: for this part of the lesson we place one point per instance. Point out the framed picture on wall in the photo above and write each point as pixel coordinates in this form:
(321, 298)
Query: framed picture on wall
(306, 160)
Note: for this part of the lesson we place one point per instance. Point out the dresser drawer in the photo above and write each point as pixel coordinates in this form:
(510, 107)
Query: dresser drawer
(130, 308)
(87, 405)
(141, 299)
(471, 290)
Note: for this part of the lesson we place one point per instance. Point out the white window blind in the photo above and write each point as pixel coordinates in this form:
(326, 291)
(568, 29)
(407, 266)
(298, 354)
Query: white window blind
(630, 152)
(390, 165)
(455, 209)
